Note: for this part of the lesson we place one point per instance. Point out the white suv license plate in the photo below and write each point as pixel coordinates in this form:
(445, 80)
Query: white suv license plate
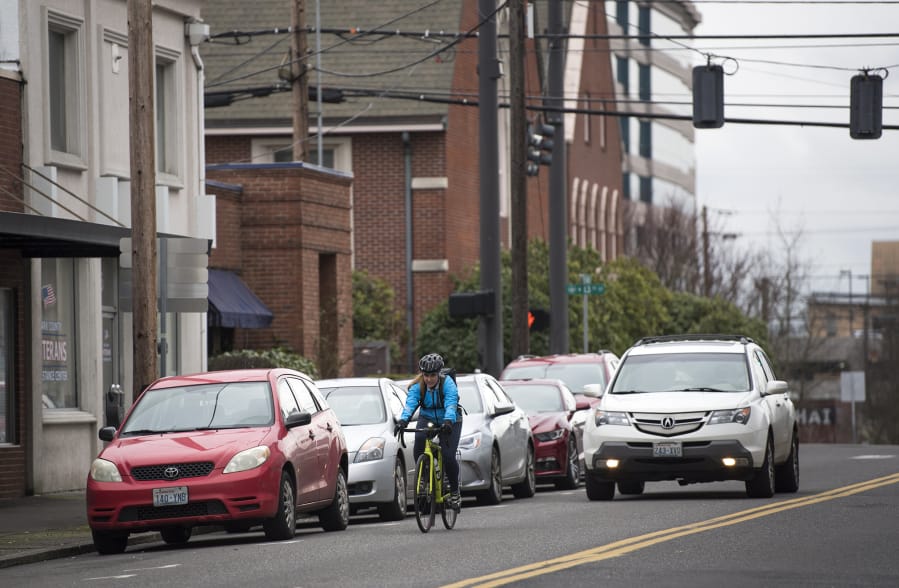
(170, 496)
(667, 449)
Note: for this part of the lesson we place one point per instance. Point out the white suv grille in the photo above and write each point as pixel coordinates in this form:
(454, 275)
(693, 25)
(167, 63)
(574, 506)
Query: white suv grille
(668, 425)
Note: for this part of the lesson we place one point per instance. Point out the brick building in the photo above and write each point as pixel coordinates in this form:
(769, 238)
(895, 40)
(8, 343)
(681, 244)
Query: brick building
(414, 162)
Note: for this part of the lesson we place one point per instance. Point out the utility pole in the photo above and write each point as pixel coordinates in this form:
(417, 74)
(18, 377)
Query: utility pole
(143, 194)
(706, 270)
(518, 155)
(299, 80)
(490, 339)
(558, 197)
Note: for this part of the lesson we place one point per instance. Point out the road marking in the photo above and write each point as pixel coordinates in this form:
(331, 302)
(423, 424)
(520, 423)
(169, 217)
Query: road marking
(626, 546)
(120, 577)
(874, 457)
(153, 568)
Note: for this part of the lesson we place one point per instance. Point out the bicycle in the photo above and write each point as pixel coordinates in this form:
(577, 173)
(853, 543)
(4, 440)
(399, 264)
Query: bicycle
(431, 497)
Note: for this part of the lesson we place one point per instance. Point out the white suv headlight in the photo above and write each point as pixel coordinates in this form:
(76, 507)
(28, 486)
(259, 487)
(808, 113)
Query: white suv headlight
(736, 415)
(609, 417)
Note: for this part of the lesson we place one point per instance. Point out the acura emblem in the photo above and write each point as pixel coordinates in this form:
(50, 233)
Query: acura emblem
(668, 422)
(170, 473)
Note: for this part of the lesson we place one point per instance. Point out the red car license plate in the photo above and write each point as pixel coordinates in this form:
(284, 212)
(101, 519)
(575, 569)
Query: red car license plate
(170, 496)
(667, 449)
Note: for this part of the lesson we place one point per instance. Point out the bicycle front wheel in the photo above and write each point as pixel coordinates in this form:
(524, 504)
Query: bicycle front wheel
(447, 513)
(425, 505)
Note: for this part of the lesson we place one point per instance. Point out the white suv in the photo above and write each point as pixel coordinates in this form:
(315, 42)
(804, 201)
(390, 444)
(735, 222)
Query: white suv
(693, 408)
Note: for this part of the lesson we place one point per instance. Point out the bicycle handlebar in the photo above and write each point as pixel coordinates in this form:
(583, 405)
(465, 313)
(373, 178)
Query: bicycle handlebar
(432, 432)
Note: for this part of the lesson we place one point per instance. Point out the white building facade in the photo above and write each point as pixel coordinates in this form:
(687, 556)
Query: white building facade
(653, 75)
(72, 335)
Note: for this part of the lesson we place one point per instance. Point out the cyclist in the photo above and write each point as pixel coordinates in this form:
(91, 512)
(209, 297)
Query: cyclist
(438, 397)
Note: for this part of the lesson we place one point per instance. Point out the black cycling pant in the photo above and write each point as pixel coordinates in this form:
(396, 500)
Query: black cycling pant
(447, 446)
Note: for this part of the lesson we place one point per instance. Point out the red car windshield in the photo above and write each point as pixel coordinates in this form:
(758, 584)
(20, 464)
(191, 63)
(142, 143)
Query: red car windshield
(575, 375)
(207, 406)
(533, 398)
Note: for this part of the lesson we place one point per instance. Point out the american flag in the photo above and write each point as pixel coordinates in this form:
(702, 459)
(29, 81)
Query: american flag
(48, 295)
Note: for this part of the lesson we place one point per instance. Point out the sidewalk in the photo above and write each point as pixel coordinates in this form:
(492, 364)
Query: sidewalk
(37, 528)
(51, 526)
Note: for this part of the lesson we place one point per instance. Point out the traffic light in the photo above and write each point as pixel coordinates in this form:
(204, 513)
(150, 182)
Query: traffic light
(471, 304)
(538, 319)
(866, 106)
(540, 147)
(708, 96)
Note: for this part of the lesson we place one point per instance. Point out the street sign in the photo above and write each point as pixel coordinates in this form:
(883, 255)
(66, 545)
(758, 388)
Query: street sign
(586, 289)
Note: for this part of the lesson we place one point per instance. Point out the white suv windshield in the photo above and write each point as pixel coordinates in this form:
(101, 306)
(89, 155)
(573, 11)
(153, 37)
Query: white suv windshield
(703, 372)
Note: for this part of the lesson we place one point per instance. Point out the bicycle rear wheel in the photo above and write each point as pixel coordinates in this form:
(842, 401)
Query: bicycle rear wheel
(447, 513)
(425, 506)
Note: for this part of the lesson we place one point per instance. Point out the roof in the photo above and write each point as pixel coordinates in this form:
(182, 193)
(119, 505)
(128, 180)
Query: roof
(347, 61)
(563, 358)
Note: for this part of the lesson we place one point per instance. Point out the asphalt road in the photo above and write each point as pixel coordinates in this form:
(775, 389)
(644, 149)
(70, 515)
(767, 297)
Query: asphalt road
(840, 529)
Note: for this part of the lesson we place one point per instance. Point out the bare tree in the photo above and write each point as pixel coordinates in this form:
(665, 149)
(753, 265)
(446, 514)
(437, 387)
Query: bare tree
(671, 240)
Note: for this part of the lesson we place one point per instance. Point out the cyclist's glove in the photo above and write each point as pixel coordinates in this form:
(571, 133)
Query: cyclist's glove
(400, 425)
(447, 429)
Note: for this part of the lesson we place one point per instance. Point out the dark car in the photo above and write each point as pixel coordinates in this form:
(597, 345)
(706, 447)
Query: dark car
(550, 406)
(234, 448)
(585, 374)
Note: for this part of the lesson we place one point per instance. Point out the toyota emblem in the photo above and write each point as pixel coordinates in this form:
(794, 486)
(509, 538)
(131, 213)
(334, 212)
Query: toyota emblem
(171, 473)
(668, 422)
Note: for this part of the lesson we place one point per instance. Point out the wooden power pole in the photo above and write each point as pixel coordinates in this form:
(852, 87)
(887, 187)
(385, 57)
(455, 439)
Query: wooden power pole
(143, 193)
(518, 155)
(299, 80)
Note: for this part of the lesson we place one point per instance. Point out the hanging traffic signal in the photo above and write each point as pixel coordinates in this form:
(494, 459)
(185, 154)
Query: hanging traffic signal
(866, 106)
(540, 147)
(708, 96)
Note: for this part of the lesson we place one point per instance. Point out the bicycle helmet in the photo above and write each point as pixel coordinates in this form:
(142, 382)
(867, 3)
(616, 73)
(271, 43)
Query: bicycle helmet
(430, 363)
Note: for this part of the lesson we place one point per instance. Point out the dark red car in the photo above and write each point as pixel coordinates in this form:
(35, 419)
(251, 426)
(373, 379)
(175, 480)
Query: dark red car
(550, 406)
(234, 448)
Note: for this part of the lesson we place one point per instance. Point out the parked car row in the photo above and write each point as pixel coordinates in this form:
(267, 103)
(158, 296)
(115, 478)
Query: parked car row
(243, 448)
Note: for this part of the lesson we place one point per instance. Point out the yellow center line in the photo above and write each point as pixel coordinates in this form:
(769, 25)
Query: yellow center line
(625, 546)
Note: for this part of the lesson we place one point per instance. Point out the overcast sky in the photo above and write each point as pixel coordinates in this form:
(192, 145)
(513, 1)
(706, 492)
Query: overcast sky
(841, 193)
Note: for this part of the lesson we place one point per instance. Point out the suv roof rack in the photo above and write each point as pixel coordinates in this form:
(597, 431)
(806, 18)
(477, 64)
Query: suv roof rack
(694, 337)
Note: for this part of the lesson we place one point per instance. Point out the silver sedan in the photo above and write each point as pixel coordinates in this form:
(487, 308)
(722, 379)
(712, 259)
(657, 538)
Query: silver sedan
(380, 467)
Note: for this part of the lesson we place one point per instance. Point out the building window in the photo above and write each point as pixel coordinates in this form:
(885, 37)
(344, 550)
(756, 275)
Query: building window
(646, 139)
(336, 152)
(621, 72)
(588, 105)
(645, 91)
(646, 189)
(7, 387)
(831, 325)
(643, 24)
(166, 109)
(63, 88)
(58, 334)
(602, 127)
(621, 14)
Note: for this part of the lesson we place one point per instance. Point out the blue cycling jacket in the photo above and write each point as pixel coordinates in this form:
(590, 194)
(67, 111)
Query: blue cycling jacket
(430, 408)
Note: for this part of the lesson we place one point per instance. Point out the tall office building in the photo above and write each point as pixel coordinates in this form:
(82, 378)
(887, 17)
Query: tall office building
(653, 77)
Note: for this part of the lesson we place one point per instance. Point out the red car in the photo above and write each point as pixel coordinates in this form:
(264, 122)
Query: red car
(233, 448)
(550, 406)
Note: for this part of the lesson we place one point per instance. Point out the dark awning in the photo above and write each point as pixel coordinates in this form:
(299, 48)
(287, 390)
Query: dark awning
(41, 236)
(232, 304)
